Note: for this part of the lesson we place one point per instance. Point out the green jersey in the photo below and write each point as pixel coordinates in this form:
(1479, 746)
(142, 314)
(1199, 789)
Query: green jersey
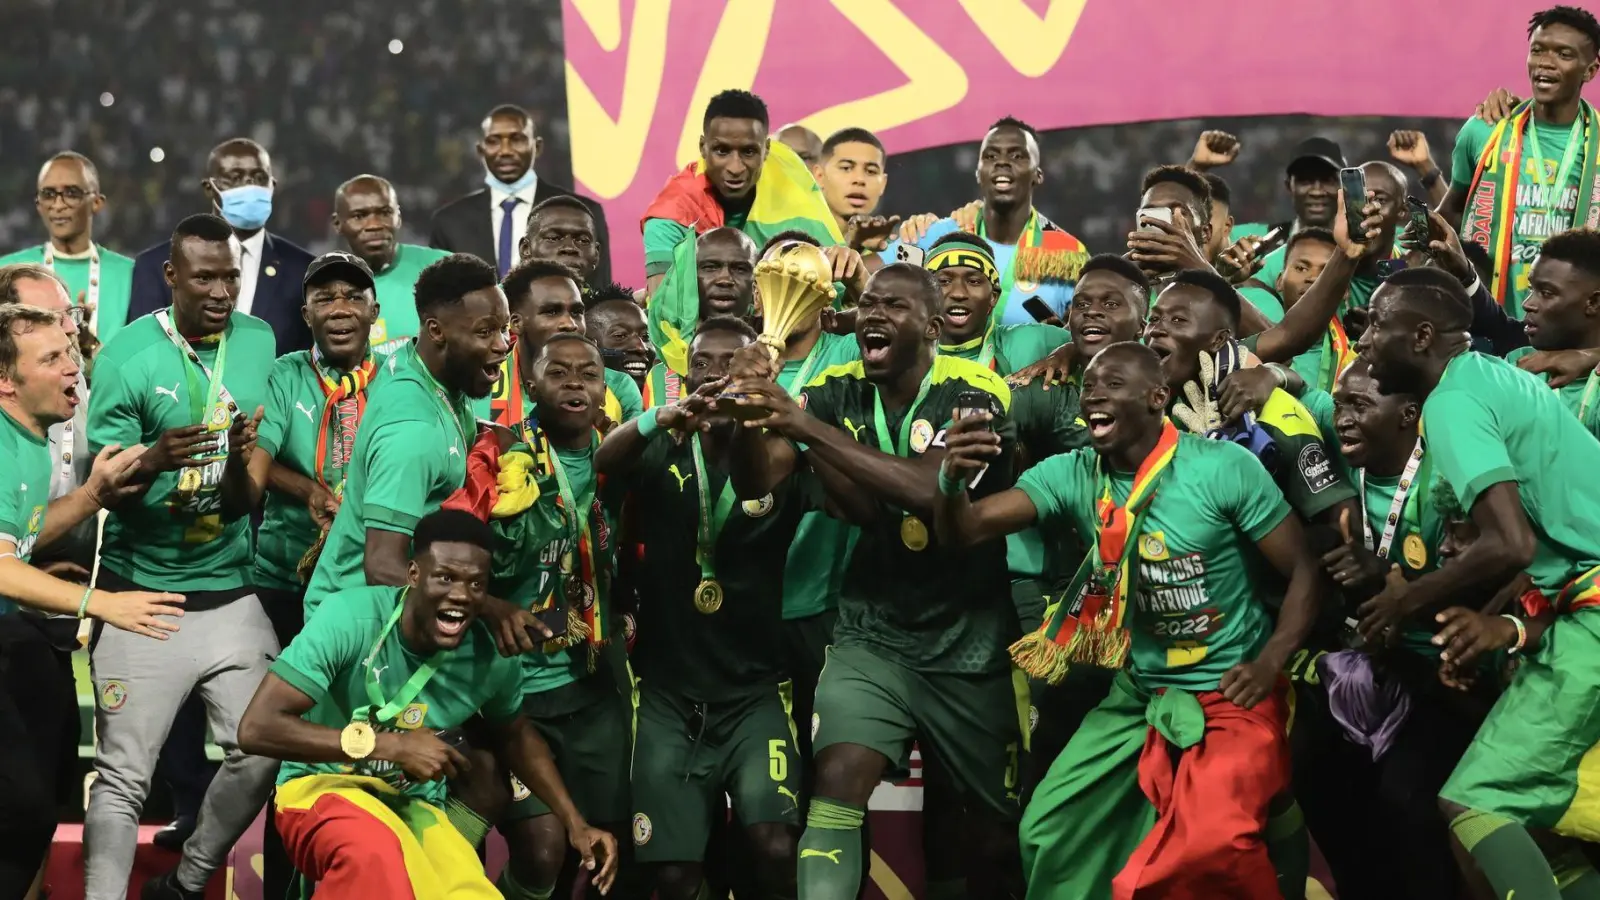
(115, 282)
(410, 456)
(335, 657)
(24, 489)
(937, 609)
(734, 650)
(1582, 396)
(1488, 422)
(1195, 612)
(288, 433)
(1544, 208)
(1418, 531)
(814, 572)
(397, 304)
(1014, 346)
(172, 538)
(1310, 363)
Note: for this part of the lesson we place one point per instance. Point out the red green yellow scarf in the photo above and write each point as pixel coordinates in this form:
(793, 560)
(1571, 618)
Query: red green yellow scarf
(344, 402)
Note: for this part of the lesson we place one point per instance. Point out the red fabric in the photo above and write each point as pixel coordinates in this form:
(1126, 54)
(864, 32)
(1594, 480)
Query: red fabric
(481, 491)
(347, 852)
(1211, 808)
(686, 199)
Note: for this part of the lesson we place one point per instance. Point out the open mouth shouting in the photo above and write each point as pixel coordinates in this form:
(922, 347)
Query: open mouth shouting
(636, 366)
(876, 342)
(451, 622)
(1102, 425)
(957, 315)
(1092, 337)
(70, 394)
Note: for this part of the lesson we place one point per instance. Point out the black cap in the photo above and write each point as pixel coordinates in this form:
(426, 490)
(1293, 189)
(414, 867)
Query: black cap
(348, 266)
(1319, 149)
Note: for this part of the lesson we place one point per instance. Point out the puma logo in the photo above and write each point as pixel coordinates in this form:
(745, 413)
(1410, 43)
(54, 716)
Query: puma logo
(377, 672)
(829, 855)
(170, 392)
(310, 416)
(454, 450)
(682, 478)
(785, 792)
(855, 430)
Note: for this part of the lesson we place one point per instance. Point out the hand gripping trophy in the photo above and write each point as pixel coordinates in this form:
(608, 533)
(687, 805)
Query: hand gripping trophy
(793, 282)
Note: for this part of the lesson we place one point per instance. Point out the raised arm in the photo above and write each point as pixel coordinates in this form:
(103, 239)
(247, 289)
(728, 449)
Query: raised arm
(957, 521)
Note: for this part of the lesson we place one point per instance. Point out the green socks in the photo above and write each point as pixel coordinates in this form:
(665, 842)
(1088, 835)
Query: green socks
(830, 851)
(1507, 855)
(1289, 848)
(512, 889)
(471, 825)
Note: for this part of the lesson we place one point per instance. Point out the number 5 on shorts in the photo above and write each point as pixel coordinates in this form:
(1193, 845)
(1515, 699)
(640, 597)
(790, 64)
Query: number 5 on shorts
(777, 761)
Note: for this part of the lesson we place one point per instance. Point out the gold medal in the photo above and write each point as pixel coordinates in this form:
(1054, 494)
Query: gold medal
(913, 533)
(1415, 552)
(189, 481)
(358, 740)
(708, 596)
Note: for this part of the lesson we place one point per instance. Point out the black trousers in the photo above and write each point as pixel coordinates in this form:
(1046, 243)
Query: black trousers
(38, 744)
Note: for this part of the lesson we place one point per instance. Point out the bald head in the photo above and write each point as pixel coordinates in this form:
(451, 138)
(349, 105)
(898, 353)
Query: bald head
(366, 213)
(725, 262)
(228, 155)
(75, 166)
(803, 141)
(1132, 358)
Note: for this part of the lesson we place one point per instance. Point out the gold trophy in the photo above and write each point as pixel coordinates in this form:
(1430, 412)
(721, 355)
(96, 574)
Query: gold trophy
(793, 282)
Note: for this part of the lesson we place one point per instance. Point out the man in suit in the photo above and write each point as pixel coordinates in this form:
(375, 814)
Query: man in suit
(239, 185)
(491, 222)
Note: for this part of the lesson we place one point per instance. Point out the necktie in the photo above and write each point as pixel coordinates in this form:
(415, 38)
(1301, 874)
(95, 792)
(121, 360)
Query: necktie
(506, 228)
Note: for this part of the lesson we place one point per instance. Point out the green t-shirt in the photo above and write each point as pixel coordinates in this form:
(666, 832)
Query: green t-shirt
(1487, 422)
(1309, 363)
(938, 609)
(410, 456)
(143, 386)
(1575, 395)
(1543, 209)
(288, 433)
(814, 572)
(24, 489)
(736, 650)
(397, 303)
(1265, 301)
(1195, 613)
(116, 283)
(661, 237)
(325, 662)
(1015, 346)
(1419, 522)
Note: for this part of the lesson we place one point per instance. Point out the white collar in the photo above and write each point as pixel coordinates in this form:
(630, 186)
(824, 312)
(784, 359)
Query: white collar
(256, 244)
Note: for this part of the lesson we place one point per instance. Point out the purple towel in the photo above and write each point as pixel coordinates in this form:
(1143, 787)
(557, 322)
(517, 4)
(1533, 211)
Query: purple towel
(1371, 709)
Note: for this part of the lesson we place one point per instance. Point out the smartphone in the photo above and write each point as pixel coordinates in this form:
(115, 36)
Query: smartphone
(973, 403)
(1418, 227)
(1039, 309)
(1162, 213)
(555, 619)
(1354, 183)
(1270, 241)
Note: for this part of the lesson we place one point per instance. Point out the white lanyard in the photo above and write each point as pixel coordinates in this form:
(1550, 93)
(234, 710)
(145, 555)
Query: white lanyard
(66, 449)
(1401, 492)
(92, 295)
(187, 350)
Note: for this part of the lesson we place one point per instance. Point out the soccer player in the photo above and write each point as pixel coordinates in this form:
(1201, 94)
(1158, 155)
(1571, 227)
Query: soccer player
(181, 381)
(366, 213)
(1523, 467)
(711, 715)
(1562, 312)
(562, 230)
(713, 275)
(1536, 173)
(418, 427)
(963, 265)
(852, 171)
(1165, 248)
(919, 650)
(1179, 764)
(618, 327)
(68, 199)
(362, 708)
(546, 300)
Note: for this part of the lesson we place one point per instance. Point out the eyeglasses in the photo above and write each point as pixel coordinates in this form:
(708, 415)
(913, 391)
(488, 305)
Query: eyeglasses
(73, 195)
(78, 314)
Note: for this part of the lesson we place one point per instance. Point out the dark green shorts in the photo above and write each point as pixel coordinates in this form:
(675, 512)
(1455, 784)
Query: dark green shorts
(586, 724)
(688, 755)
(973, 723)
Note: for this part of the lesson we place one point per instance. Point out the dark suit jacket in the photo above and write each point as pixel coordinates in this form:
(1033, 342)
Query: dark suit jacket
(464, 226)
(278, 296)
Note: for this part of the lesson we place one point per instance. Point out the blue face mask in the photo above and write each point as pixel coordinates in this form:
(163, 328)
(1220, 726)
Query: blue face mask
(248, 207)
(521, 184)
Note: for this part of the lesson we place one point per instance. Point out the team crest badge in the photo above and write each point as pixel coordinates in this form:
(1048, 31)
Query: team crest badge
(411, 717)
(219, 416)
(588, 597)
(37, 519)
(519, 791)
(379, 332)
(113, 696)
(1027, 287)
(921, 435)
(1152, 546)
(755, 509)
(641, 829)
(1033, 719)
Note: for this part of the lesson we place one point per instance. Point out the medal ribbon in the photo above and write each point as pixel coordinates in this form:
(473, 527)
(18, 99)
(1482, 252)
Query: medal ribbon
(1575, 140)
(1398, 507)
(344, 402)
(1032, 236)
(92, 295)
(802, 377)
(388, 709)
(216, 393)
(1337, 355)
(582, 535)
(460, 415)
(711, 521)
(880, 421)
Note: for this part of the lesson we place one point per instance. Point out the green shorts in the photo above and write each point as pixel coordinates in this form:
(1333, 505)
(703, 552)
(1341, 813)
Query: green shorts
(688, 755)
(586, 724)
(805, 645)
(972, 723)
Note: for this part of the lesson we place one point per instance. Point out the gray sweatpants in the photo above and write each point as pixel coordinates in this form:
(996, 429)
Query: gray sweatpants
(139, 684)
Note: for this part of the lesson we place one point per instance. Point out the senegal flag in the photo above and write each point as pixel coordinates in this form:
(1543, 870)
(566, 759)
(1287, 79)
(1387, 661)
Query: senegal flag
(787, 198)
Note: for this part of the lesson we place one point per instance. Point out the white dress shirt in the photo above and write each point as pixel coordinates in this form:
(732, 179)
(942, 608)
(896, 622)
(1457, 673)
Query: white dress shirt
(519, 221)
(250, 270)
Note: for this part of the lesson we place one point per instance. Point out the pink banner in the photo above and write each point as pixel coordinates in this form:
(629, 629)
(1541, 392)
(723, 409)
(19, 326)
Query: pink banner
(934, 72)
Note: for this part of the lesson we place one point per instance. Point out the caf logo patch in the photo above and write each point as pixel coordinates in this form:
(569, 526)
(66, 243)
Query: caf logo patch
(411, 717)
(1315, 469)
(519, 791)
(641, 829)
(1153, 547)
(921, 435)
(113, 696)
(379, 332)
(755, 509)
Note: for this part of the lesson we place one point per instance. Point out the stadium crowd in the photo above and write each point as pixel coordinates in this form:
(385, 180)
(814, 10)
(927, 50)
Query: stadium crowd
(1182, 553)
